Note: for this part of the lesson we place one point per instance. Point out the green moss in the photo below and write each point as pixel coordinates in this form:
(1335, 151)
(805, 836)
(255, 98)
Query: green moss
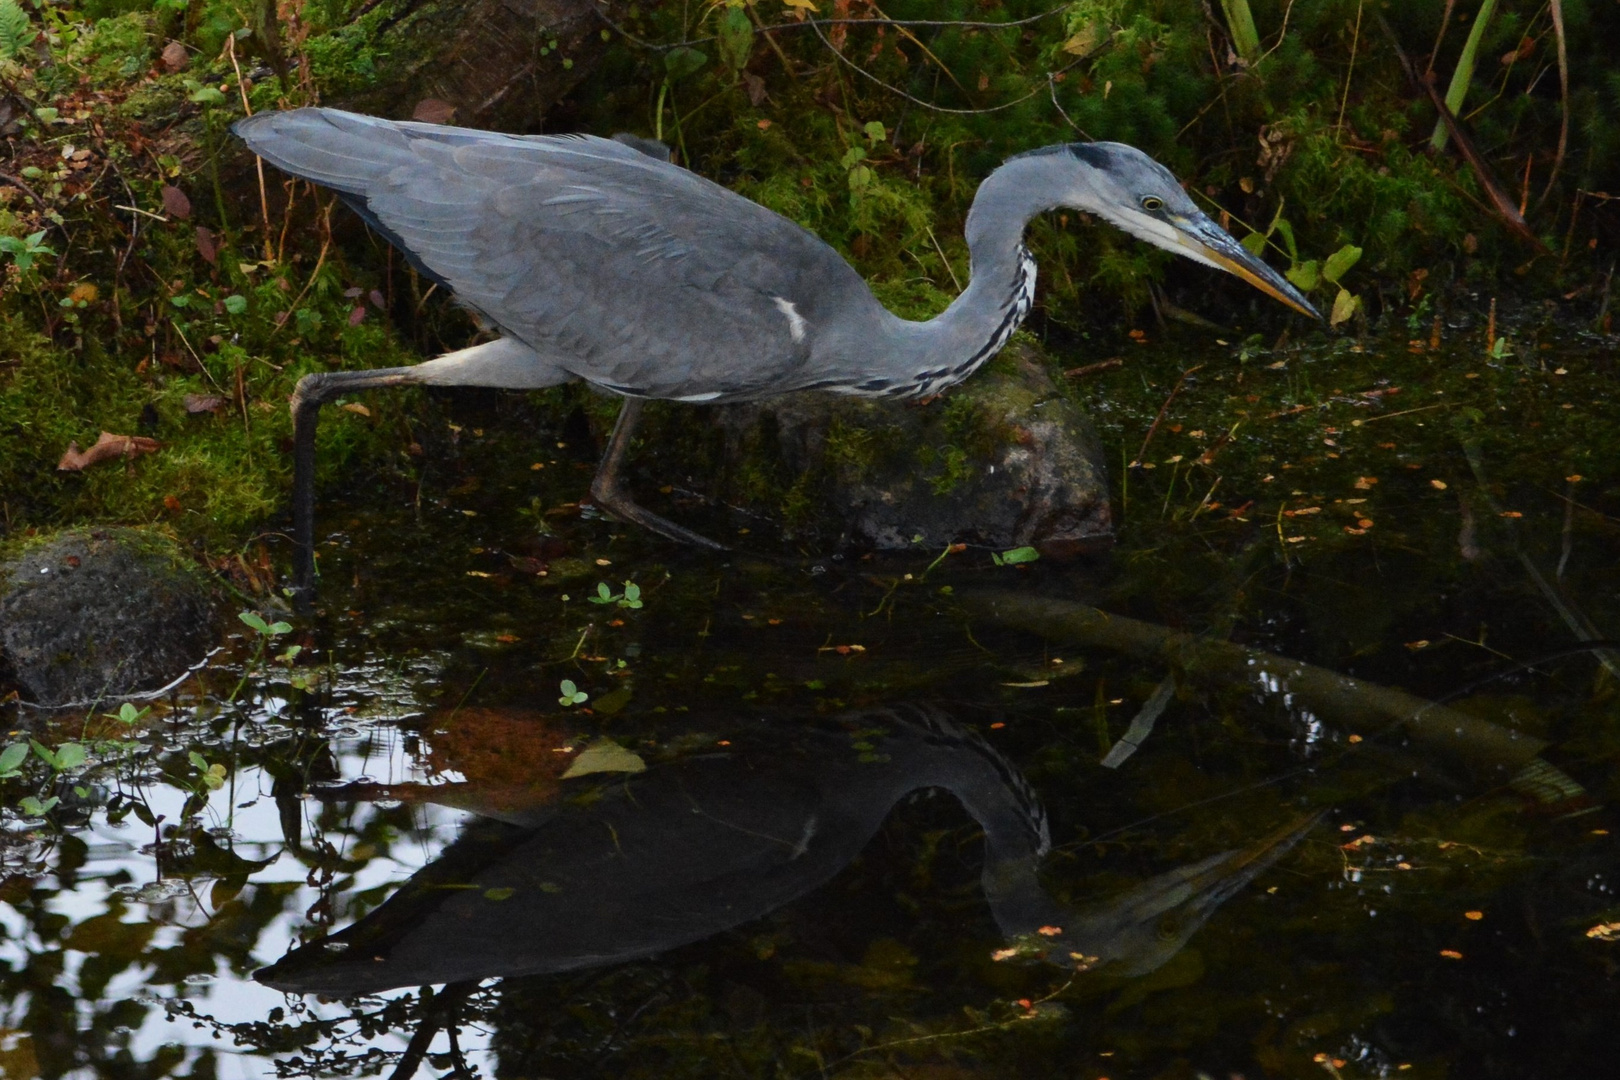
(115, 48)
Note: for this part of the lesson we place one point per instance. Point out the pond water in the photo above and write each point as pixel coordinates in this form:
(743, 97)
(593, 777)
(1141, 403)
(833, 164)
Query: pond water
(783, 814)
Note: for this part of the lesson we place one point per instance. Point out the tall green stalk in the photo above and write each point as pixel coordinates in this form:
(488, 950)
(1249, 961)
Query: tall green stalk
(1464, 75)
(1240, 22)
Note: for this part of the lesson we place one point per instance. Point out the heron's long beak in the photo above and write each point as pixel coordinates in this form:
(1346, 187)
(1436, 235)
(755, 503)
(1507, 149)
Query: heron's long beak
(1208, 242)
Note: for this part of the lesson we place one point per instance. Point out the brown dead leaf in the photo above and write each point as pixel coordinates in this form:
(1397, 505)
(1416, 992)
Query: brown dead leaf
(201, 403)
(433, 111)
(175, 203)
(755, 87)
(175, 57)
(108, 447)
(356, 408)
(207, 244)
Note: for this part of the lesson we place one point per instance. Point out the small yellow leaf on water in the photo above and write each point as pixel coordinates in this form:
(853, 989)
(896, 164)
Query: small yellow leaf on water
(1438, 485)
(1609, 931)
(356, 408)
(1004, 954)
(1473, 916)
(1355, 738)
(605, 755)
(1451, 954)
(604, 562)
(1416, 645)
(1574, 478)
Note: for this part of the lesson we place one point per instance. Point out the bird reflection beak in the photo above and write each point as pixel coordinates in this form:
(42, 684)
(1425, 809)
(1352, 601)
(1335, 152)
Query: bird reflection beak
(1207, 241)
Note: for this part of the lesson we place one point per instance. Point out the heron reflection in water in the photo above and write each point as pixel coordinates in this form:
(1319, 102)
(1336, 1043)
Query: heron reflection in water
(596, 260)
(623, 867)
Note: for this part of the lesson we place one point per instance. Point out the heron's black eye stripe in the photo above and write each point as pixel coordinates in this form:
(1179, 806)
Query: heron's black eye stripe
(1152, 203)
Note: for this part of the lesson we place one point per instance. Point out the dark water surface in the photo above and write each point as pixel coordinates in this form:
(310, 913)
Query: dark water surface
(799, 824)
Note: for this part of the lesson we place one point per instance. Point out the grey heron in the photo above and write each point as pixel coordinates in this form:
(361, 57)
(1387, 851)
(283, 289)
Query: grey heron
(598, 261)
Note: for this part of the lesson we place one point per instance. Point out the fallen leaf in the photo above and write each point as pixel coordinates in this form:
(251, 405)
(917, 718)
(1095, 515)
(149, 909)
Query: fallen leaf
(200, 403)
(1473, 916)
(605, 755)
(356, 408)
(107, 447)
(433, 111)
(207, 244)
(1609, 931)
(1451, 954)
(175, 57)
(357, 315)
(171, 504)
(175, 203)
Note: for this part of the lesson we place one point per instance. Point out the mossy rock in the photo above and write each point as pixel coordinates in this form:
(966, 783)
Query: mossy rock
(1004, 460)
(94, 613)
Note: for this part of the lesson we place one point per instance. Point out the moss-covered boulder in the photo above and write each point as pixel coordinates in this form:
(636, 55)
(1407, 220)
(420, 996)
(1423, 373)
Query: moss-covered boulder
(1005, 459)
(93, 613)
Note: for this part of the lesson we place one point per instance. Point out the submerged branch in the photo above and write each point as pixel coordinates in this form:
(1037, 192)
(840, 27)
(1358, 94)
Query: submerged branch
(1492, 750)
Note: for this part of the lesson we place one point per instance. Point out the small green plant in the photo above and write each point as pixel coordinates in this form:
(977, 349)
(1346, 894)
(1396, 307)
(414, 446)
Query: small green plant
(16, 31)
(571, 694)
(11, 759)
(630, 598)
(23, 250)
(128, 714)
(209, 777)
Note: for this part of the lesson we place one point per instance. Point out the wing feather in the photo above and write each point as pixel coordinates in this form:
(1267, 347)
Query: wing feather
(629, 271)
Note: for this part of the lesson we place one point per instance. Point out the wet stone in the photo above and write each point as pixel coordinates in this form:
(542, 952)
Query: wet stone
(99, 612)
(1005, 460)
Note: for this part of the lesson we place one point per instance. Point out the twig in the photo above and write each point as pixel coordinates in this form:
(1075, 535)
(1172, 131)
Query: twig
(258, 162)
(326, 246)
(1569, 532)
(1355, 40)
(1093, 369)
(949, 269)
(1572, 617)
(1153, 427)
(1051, 85)
(1440, 36)
(799, 24)
(1465, 145)
(143, 213)
(1557, 8)
(1142, 724)
(25, 189)
(930, 105)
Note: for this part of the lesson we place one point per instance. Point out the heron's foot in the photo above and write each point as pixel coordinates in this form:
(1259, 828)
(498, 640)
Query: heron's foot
(621, 506)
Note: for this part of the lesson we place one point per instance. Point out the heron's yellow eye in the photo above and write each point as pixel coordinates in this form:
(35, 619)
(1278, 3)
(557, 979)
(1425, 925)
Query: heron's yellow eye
(1152, 203)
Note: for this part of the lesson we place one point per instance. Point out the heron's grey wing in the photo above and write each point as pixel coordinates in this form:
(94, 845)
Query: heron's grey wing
(630, 272)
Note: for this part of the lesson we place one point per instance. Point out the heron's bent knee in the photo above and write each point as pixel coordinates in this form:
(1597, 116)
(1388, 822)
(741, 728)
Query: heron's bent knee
(308, 390)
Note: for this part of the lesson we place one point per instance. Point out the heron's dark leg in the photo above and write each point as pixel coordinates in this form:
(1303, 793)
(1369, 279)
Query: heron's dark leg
(312, 392)
(611, 496)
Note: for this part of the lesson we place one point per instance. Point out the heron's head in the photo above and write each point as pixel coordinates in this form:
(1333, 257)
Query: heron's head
(1128, 189)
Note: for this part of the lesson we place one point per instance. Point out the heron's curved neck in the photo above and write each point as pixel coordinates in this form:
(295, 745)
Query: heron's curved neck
(950, 347)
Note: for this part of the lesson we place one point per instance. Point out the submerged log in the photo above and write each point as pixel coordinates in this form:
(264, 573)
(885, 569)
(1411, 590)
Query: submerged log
(1490, 750)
